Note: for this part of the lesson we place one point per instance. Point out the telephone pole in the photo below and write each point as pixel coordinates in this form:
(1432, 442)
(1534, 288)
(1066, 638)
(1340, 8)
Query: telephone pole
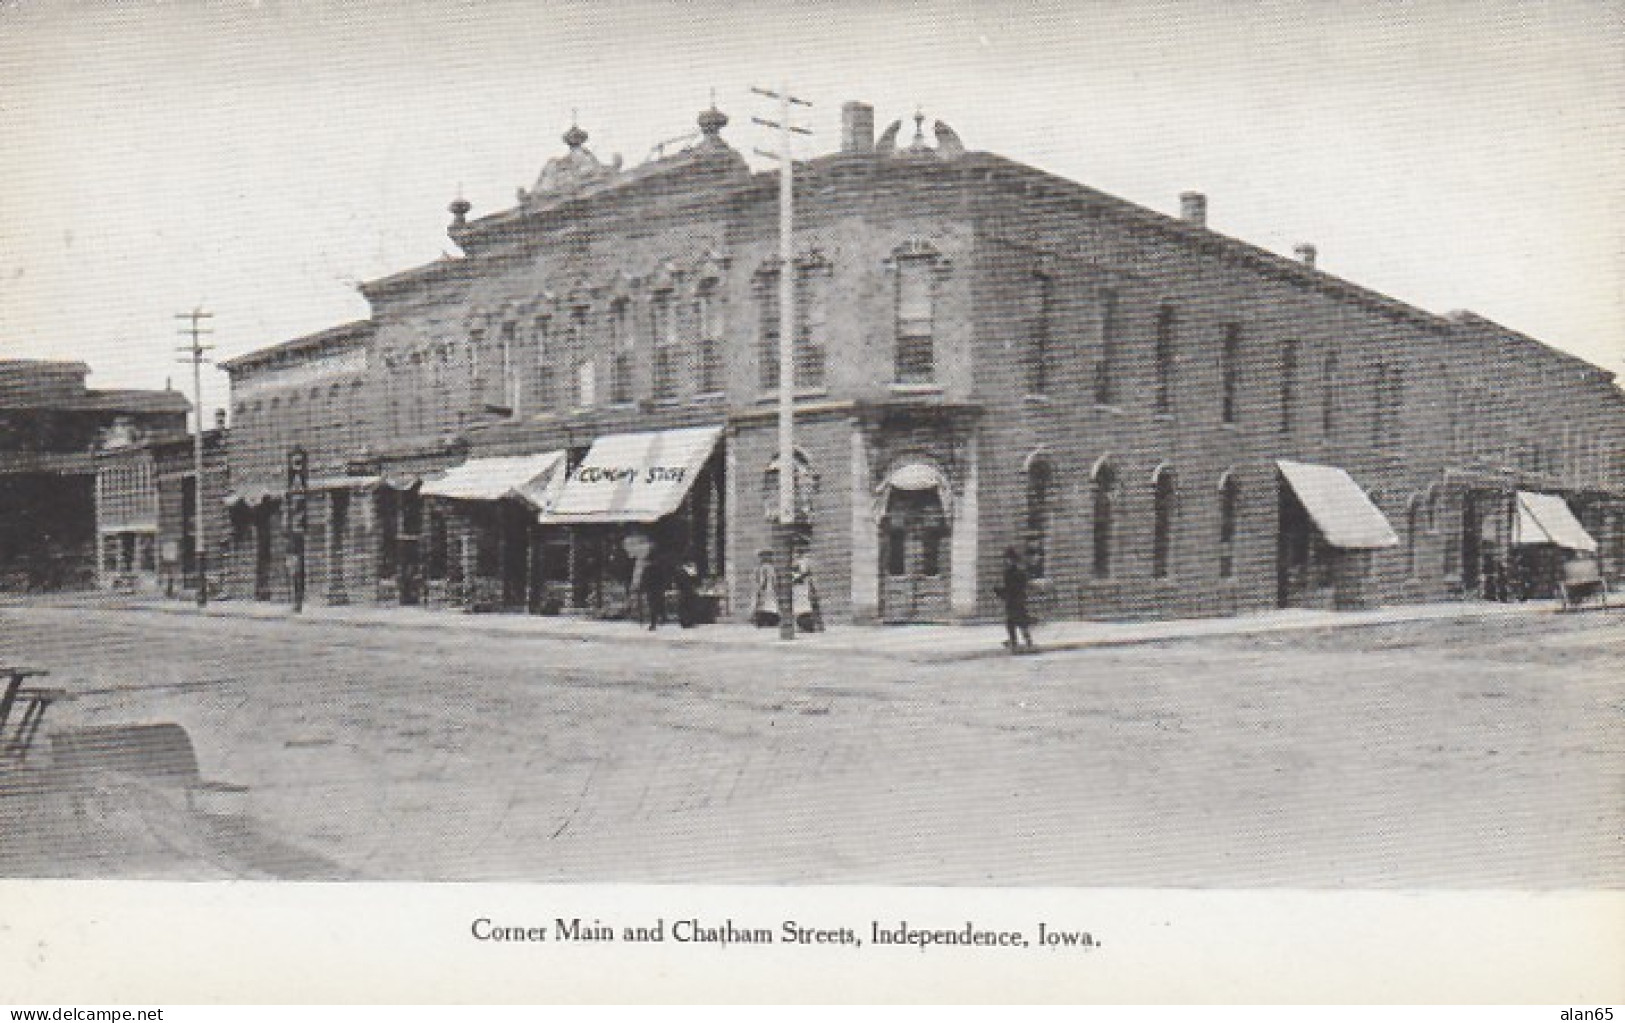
(194, 353)
(787, 364)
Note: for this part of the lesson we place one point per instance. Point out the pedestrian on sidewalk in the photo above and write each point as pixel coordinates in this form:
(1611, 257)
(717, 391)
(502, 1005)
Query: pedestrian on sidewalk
(765, 609)
(687, 577)
(1013, 591)
(804, 595)
(654, 588)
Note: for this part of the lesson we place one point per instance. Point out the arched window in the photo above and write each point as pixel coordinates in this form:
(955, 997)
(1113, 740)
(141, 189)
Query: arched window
(1289, 385)
(1163, 359)
(621, 348)
(1040, 497)
(1103, 484)
(1229, 494)
(1162, 520)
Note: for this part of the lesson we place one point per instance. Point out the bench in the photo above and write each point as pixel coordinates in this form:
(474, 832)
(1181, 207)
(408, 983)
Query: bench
(1582, 578)
(35, 701)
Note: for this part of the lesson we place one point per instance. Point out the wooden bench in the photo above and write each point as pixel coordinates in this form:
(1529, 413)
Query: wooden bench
(34, 700)
(1582, 578)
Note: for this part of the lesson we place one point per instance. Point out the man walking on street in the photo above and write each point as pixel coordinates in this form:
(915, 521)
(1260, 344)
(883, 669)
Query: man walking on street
(1013, 591)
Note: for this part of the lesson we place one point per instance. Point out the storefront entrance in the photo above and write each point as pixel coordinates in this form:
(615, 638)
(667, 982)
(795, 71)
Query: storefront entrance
(914, 556)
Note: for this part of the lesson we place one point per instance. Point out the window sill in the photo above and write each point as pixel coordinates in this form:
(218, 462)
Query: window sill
(1037, 399)
(1109, 407)
(768, 397)
(920, 388)
(708, 398)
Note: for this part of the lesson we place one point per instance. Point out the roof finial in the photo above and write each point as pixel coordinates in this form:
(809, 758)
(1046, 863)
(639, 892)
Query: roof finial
(575, 138)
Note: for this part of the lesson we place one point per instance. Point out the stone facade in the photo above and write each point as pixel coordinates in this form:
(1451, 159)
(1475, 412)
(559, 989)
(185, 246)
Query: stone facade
(987, 357)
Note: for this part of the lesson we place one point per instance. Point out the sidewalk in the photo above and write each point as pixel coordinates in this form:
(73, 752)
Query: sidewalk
(915, 643)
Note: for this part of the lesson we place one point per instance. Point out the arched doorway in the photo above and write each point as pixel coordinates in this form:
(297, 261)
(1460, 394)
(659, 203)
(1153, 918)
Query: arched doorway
(915, 554)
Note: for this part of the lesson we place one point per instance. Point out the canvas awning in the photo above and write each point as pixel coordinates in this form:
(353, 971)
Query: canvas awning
(344, 483)
(633, 477)
(253, 495)
(1341, 511)
(1545, 518)
(533, 478)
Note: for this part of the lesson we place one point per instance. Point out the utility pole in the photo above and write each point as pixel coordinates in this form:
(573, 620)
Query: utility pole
(787, 364)
(193, 353)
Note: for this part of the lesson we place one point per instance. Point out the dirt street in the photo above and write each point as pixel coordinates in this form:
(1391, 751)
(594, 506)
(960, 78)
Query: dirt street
(1442, 754)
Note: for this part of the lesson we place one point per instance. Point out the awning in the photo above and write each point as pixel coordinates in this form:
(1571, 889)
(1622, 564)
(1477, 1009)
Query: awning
(1341, 510)
(913, 476)
(254, 495)
(533, 478)
(1545, 518)
(633, 477)
(344, 483)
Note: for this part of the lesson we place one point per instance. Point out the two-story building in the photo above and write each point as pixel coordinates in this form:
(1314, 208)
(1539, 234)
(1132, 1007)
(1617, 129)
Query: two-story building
(1165, 420)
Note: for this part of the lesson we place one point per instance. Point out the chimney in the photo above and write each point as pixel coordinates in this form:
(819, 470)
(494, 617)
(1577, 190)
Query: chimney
(1193, 208)
(857, 128)
(219, 419)
(1306, 254)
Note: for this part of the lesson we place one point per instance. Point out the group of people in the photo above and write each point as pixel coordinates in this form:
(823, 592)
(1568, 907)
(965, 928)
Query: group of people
(656, 575)
(766, 611)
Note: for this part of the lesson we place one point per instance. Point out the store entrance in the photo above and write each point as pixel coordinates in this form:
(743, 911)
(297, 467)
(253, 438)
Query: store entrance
(914, 552)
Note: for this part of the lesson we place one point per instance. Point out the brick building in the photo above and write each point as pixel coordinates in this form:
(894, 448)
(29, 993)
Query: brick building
(1167, 420)
(50, 427)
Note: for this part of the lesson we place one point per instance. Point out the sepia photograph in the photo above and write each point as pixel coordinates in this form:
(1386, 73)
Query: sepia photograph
(966, 482)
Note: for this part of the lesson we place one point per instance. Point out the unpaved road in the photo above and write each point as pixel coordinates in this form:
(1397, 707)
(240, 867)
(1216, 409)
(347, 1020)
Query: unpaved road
(1483, 753)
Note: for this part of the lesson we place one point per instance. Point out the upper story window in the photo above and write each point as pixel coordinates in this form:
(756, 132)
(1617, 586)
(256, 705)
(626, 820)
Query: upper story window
(1106, 370)
(1040, 353)
(915, 353)
(1289, 386)
(812, 316)
(1163, 359)
(507, 395)
(663, 328)
(811, 313)
(621, 349)
(585, 372)
(708, 325)
(1329, 398)
(1230, 373)
(546, 362)
(767, 326)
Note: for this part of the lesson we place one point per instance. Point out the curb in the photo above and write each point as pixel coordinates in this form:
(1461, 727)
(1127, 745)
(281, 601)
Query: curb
(927, 655)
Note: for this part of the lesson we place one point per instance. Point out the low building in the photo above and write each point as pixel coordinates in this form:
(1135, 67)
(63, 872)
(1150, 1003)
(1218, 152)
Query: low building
(1163, 419)
(51, 426)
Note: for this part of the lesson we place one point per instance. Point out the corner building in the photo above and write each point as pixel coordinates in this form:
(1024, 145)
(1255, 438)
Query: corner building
(1166, 420)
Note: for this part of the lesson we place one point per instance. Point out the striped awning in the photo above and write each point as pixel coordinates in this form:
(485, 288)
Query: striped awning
(633, 477)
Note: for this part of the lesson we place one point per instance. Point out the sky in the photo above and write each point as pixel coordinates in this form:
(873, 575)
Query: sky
(257, 159)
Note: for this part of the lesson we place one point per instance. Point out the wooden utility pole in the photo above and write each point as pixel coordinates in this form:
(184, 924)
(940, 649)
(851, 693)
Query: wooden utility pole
(787, 363)
(194, 353)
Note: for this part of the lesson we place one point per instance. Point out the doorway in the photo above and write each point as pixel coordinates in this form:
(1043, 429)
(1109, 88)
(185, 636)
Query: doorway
(914, 553)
